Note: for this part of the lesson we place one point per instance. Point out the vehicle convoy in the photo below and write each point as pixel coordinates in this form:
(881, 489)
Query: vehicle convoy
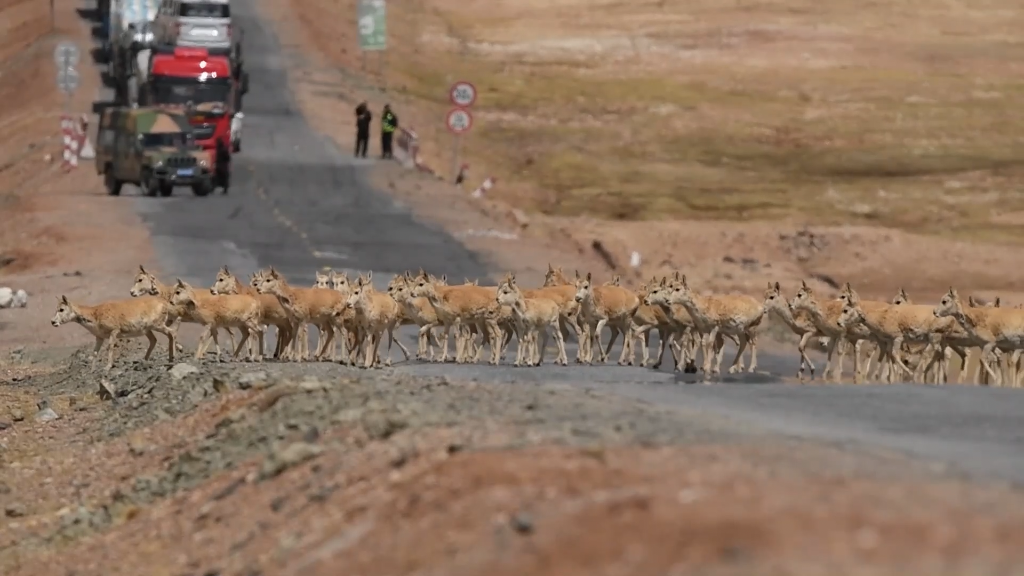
(154, 149)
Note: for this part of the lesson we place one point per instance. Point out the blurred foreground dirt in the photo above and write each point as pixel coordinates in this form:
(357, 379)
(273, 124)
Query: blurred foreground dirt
(291, 469)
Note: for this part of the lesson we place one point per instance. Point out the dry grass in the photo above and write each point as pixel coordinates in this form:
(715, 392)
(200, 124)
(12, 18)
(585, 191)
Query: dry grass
(904, 114)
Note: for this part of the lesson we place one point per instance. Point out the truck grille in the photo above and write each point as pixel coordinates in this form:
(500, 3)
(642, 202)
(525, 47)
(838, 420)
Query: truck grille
(181, 162)
(203, 131)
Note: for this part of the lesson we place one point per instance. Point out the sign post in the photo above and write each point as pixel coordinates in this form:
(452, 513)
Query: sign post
(66, 56)
(371, 19)
(462, 95)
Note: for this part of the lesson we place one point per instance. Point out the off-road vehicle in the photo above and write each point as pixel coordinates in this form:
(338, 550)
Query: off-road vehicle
(154, 149)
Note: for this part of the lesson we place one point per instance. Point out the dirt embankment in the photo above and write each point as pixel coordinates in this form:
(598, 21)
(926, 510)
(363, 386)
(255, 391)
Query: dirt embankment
(59, 232)
(299, 469)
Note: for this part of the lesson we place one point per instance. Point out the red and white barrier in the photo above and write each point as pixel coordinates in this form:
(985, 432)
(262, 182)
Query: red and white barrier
(408, 144)
(75, 142)
(486, 186)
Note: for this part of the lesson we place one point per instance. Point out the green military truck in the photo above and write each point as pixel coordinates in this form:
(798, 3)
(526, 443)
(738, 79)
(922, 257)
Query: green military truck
(154, 149)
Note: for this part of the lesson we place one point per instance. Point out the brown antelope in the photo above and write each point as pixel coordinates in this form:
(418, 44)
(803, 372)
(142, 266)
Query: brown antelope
(315, 306)
(825, 316)
(562, 291)
(271, 311)
(376, 313)
(419, 311)
(989, 328)
(228, 310)
(799, 322)
(893, 324)
(146, 284)
(601, 306)
(111, 321)
(734, 314)
(650, 317)
(533, 316)
(457, 306)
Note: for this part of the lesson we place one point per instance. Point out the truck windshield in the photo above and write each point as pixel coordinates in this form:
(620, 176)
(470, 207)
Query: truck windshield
(166, 139)
(173, 90)
(204, 10)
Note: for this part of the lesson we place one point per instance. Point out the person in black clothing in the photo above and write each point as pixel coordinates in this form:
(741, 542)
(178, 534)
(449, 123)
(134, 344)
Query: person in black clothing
(388, 125)
(363, 117)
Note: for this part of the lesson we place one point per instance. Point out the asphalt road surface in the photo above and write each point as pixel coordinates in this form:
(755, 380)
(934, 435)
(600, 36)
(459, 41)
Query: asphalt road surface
(299, 203)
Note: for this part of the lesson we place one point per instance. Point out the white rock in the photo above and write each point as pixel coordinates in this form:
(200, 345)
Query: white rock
(182, 369)
(6, 297)
(20, 299)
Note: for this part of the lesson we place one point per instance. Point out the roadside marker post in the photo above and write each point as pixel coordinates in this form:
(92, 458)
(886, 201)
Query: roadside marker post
(66, 56)
(459, 120)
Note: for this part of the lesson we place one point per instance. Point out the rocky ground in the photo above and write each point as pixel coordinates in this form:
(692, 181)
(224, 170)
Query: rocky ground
(298, 469)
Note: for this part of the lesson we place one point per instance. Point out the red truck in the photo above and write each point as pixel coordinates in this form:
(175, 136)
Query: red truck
(203, 86)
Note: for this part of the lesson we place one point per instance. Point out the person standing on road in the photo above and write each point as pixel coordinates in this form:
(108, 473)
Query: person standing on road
(388, 125)
(363, 118)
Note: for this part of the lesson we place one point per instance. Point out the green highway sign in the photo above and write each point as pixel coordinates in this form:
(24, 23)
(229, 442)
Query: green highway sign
(373, 32)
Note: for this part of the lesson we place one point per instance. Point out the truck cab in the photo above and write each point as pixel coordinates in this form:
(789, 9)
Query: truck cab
(191, 77)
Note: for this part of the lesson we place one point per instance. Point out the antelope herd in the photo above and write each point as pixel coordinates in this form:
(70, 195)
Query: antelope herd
(901, 338)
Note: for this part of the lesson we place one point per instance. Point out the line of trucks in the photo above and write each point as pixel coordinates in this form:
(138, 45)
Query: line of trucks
(178, 58)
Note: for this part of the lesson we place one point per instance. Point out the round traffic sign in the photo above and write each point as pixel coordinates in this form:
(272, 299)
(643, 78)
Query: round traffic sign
(459, 120)
(462, 94)
(68, 80)
(66, 53)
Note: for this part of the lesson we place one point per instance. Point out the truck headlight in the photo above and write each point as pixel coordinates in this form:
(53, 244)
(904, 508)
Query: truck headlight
(204, 163)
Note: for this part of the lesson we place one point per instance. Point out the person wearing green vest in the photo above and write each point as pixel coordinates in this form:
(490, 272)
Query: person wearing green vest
(388, 125)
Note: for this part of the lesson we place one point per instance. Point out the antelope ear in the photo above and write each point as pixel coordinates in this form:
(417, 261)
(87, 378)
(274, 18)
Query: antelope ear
(178, 282)
(64, 300)
(369, 275)
(142, 269)
(682, 280)
(588, 276)
(444, 278)
(777, 287)
(951, 291)
(224, 269)
(803, 284)
(550, 268)
(996, 303)
(577, 272)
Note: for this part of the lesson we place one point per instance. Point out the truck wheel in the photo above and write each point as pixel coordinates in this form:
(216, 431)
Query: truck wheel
(166, 189)
(202, 189)
(113, 184)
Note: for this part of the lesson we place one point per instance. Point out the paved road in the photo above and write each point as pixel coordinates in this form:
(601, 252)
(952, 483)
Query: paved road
(289, 179)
